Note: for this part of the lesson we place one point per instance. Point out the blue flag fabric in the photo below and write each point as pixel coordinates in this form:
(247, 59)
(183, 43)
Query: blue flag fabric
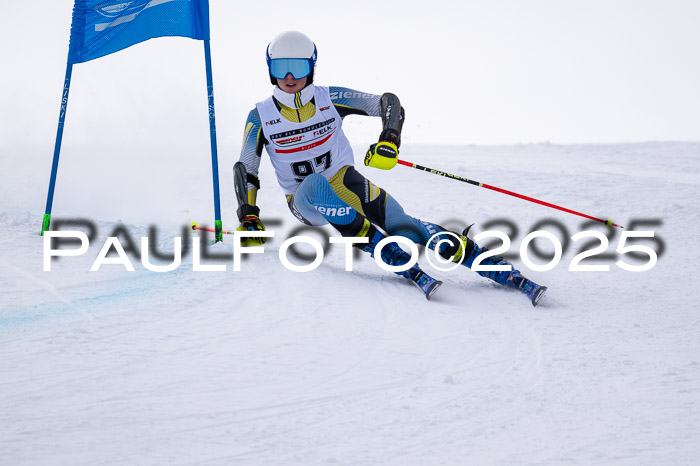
(101, 27)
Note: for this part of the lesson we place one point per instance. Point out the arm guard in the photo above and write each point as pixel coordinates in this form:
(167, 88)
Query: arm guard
(240, 181)
(392, 118)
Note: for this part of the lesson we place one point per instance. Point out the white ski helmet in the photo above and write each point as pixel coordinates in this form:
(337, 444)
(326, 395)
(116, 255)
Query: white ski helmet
(291, 52)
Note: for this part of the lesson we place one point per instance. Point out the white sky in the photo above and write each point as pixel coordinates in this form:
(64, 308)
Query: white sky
(467, 72)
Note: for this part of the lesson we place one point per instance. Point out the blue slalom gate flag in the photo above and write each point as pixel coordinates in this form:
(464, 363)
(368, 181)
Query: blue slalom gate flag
(101, 27)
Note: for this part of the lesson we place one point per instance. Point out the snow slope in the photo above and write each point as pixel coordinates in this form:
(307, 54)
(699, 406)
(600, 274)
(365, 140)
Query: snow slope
(269, 366)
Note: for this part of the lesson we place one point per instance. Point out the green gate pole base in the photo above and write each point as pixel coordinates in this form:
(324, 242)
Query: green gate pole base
(218, 231)
(45, 225)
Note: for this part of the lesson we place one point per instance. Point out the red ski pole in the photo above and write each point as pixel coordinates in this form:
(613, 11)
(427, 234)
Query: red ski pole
(608, 222)
(196, 227)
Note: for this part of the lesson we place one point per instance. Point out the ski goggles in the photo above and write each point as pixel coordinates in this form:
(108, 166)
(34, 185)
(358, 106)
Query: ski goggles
(298, 67)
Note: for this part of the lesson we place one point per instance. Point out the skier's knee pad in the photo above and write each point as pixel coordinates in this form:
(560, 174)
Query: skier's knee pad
(318, 203)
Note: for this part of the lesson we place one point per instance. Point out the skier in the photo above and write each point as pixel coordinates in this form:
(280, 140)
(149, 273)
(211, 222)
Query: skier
(300, 126)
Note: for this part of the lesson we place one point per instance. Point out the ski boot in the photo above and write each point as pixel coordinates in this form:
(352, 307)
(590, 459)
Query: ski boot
(427, 284)
(531, 289)
(393, 255)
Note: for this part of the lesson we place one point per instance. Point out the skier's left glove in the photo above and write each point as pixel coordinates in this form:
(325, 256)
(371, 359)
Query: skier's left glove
(252, 223)
(385, 153)
(248, 215)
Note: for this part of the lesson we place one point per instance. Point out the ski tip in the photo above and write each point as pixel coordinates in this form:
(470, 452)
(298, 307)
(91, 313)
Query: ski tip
(433, 289)
(195, 225)
(538, 295)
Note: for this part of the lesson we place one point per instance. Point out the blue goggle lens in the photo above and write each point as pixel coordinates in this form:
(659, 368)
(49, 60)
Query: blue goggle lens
(281, 67)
